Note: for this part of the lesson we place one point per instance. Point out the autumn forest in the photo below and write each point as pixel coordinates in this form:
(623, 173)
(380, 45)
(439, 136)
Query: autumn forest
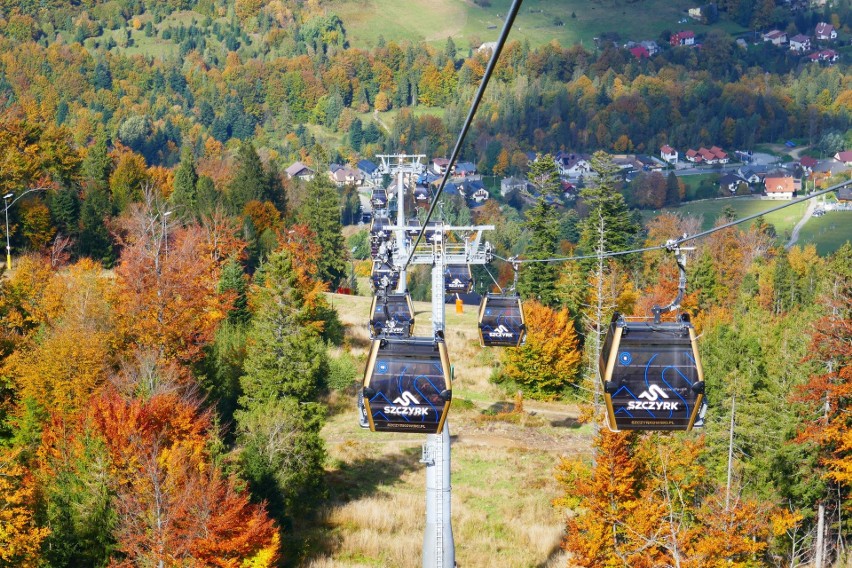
(171, 348)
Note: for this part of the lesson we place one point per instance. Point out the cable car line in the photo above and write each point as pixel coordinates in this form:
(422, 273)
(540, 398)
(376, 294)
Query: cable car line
(504, 34)
(681, 240)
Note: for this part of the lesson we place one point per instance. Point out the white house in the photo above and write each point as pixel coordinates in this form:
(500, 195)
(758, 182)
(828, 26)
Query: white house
(844, 157)
(668, 154)
(345, 175)
(776, 37)
(572, 165)
(825, 32)
(800, 43)
(779, 186)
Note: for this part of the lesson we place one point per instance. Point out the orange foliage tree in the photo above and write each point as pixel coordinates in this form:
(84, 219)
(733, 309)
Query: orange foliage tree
(646, 502)
(170, 504)
(166, 279)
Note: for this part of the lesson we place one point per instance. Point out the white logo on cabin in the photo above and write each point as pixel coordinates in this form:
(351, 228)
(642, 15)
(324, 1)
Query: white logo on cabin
(653, 393)
(500, 331)
(456, 283)
(406, 399)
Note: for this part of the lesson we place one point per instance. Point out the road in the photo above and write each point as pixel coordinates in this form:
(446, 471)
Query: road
(795, 236)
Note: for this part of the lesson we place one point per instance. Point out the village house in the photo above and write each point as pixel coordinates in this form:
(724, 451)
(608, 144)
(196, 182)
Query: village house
(825, 32)
(300, 171)
(800, 43)
(775, 37)
(439, 165)
(828, 55)
(668, 154)
(714, 155)
(844, 157)
(639, 52)
(808, 164)
(779, 185)
(651, 46)
(572, 165)
(686, 37)
(751, 175)
(730, 182)
(510, 184)
(345, 175)
(464, 169)
(372, 172)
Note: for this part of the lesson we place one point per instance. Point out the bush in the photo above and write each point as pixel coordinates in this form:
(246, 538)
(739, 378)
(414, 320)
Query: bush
(343, 372)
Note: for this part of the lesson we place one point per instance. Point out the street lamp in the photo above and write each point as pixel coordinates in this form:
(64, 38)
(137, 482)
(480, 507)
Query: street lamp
(6, 199)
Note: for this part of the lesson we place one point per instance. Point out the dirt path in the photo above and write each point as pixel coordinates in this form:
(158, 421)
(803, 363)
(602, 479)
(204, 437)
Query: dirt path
(380, 121)
(795, 235)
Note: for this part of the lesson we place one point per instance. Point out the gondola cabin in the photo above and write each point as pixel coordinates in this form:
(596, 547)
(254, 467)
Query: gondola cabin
(457, 279)
(383, 276)
(379, 199)
(501, 321)
(651, 375)
(422, 193)
(391, 316)
(407, 385)
(379, 233)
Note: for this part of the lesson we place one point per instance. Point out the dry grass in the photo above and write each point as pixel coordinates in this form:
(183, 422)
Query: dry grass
(502, 471)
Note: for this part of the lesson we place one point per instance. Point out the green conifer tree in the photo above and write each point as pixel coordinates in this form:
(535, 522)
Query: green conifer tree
(184, 188)
(249, 181)
(321, 212)
(538, 279)
(279, 419)
(605, 202)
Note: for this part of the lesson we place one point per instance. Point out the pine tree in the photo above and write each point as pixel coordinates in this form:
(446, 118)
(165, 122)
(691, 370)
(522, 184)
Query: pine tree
(538, 279)
(184, 188)
(285, 368)
(249, 181)
(605, 202)
(672, 190)
(97, 163)
(95, 241)
(321, 213)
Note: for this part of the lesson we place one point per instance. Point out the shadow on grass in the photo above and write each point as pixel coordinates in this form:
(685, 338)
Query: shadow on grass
(567, 422)
(359, 478)
(551, 558)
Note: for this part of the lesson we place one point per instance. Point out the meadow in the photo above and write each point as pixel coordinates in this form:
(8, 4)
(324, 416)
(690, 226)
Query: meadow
(502, 468)
(711, 209)
(828, 232)
(539, 21)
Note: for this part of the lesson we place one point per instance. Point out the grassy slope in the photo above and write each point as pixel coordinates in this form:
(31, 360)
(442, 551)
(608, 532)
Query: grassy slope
(435, 20)
(828, 232)
(502, 471)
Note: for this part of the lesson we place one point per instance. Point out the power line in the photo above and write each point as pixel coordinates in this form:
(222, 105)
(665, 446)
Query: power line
(681, 240)
(510, 18)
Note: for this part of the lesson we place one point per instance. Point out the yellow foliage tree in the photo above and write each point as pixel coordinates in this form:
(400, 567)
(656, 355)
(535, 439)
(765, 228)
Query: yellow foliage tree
(548, 362)
(20, 538)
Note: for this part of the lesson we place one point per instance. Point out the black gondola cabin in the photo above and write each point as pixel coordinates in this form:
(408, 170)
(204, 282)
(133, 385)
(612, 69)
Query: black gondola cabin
(383, 275)
(501, 321)
(391, 316)
(651, 375)
(457, 279)
(407, 385)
